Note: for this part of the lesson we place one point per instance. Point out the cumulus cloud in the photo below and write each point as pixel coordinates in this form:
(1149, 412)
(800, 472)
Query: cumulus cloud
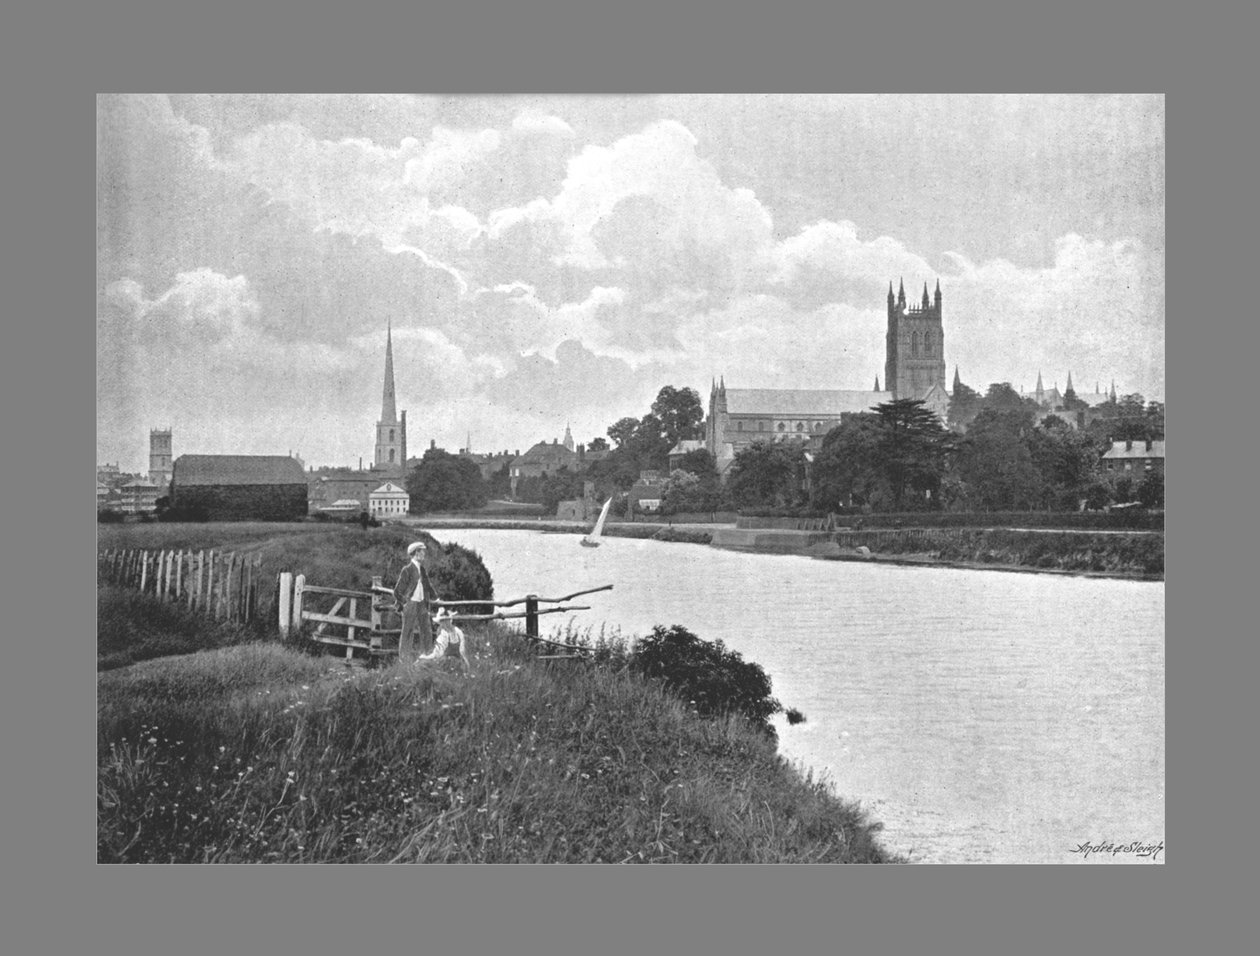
(534, 121)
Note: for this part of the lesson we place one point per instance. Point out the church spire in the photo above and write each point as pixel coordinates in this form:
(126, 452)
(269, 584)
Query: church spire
(957, 378)
(927, 304)
(1069, 384)
(901, 292)
(568, 437)
(389, 411)
(877, 388)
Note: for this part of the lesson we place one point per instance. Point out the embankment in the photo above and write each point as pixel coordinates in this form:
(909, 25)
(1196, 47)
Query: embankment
(258, 753)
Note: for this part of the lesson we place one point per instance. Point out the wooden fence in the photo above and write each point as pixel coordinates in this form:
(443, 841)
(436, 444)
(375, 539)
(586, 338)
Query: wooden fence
(302, 608)
(223, 585)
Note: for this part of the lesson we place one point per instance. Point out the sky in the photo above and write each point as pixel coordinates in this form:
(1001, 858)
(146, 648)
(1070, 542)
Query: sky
(553, 261)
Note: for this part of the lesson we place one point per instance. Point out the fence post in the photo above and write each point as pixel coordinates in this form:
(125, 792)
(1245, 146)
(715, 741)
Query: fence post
(531, 615)
(144, 570)
(210, 608)
(166, 577)
(299, 585)
(179, 576)
(286, 598)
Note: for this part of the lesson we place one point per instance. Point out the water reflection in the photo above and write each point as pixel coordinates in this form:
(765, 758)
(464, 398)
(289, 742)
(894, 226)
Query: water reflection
(982, 716)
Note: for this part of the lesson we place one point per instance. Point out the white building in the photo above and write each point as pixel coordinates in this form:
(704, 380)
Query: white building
(389, 500)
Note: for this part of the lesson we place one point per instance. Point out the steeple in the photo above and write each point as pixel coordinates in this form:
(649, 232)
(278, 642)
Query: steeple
(892, 300)
(1069, 384)
(389, 411)
(927, 304)
(568, 437)
(901, 292)
(1113, 389)
(957, 378)
(1040, 392)
(877, 388)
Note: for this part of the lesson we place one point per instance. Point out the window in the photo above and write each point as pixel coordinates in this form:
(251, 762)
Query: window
(782, 426)
(800, 426)
(391, 454)
(914, 343)
(391, 434)
(927, 342)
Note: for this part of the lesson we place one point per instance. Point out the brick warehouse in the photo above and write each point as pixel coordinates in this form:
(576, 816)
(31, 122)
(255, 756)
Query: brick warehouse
(239, 487)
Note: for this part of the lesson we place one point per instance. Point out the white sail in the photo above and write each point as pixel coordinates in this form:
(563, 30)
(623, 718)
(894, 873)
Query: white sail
(592, 540)
(603, 516)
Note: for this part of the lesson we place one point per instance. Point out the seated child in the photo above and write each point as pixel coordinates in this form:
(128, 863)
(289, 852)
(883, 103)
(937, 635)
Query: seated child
(450, 640)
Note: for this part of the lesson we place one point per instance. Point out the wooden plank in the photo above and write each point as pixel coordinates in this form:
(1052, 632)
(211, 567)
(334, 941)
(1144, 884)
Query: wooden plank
(144, 570)
(335, 641)
(299, 587)
(201, 574)
(341, 602)
(337, 592)
(179, 575)
(170, 576)
(209, 605)
(286, 600)
(331, 619)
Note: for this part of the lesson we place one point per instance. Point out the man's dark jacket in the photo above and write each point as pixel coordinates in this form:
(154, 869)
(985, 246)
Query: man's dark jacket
(406, 585)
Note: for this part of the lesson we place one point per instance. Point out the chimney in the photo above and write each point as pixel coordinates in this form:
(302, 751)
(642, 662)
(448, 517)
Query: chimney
(433, 443)
(1149, 443)
(1128, 445)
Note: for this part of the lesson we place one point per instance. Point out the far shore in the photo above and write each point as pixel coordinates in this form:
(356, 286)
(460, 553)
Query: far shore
(695, 533)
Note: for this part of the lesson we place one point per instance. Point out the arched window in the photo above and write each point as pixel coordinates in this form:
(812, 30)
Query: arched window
(391, 454)
(782, 426)
(927, 342)
(391, 434)
(914, 343)
(800, 426)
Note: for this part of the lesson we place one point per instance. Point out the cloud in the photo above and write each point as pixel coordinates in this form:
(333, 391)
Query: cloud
(533, 121)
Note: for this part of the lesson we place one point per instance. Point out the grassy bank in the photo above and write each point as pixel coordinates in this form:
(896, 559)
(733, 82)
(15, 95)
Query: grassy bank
(1135, 555)
(257, 753)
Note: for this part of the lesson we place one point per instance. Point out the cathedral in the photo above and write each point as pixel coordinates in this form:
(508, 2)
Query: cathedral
(914, 367)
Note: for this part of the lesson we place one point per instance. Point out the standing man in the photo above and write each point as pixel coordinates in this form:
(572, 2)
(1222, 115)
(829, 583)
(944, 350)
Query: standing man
(412, 595)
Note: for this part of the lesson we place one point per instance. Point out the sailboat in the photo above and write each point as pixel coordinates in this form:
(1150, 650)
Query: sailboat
(592, 540)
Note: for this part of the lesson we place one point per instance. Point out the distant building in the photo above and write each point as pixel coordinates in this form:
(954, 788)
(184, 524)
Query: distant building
(1135, 458)
(160, 458)
(239, 487)
(389, 500)
(541, 459)
(389, 459)
(579, 509)
(684, 447)
(138, 497)
(345, 508)
(328, 486)
(646, 494)
(102, 496)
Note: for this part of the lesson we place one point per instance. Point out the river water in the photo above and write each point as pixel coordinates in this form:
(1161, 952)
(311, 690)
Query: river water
(982, 716)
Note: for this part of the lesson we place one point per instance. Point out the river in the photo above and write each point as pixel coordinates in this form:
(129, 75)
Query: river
(982, 716)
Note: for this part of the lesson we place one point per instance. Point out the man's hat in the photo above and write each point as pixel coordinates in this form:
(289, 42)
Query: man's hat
(416, 546)
(444, 614)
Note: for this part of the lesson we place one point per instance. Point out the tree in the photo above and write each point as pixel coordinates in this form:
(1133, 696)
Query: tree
(622, 431)
(995, 463)
(700, 463)
(1150, 490)
(913, 447)
(1066, 459)
(598, 444)
(847, 470)
(445, 482)
(964, 404)
(679, 412)
(766, 474)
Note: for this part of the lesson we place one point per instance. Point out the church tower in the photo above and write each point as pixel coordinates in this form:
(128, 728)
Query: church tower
(914, 346)
(568, 437)
(160, 458)
(391, 430)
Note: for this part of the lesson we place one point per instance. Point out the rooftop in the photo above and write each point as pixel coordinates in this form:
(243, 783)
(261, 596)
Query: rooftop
(801, 403)
(238, 470)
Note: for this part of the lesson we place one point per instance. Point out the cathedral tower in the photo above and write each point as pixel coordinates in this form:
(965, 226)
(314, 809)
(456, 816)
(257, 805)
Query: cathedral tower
(914, 345)
(391, 430)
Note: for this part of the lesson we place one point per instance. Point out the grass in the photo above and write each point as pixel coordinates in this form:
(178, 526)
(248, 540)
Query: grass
(259, 753)
(1135, 554)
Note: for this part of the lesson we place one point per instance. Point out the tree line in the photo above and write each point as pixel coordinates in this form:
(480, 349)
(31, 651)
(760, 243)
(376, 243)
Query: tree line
(991, 454)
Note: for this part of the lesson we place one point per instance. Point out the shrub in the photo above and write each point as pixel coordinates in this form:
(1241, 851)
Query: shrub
(716, 680)
(109, 516)
(461, 575)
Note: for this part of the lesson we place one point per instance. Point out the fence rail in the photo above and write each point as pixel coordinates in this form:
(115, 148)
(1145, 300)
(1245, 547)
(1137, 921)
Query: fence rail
(299, 606)
(223, 585)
